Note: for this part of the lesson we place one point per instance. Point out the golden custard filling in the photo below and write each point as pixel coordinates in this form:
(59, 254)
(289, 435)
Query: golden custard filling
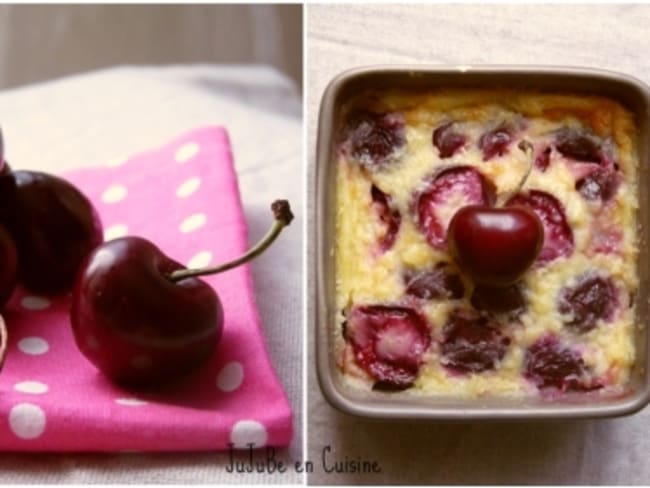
(410, 319)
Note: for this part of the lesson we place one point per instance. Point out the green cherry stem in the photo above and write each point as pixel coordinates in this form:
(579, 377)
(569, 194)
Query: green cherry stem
(528, 150)
(283, 217)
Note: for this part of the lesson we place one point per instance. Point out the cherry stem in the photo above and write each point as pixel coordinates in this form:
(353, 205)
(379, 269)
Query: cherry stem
(3, 341)
(283, 217)
(528, 149)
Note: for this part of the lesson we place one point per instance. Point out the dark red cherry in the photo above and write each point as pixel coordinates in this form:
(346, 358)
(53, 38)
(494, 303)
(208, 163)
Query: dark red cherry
(472, 343)
(447, 140)
(549, 364)
(3, 342)
(592, 299)
(373, 138)
(495, 143)
(136, 325)
(7, 195)
(579, 145)
(495, 246)
(142, 318)
(435, 283)
(8, 266)
(389, 216)
(54, 227)
(558, 236)
(601, 184)
(499, 300)
(388, 343)
(446, 192)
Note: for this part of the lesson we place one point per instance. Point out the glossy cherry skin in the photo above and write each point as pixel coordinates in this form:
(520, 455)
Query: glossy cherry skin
(7, 194)
(495, 246)
(8, 266)
(136, 325)
(54, 226)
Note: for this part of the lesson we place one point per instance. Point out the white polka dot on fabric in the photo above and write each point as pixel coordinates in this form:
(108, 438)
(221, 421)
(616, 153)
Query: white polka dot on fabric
(115, 162)
(27, 421)
(186, 152)
(130, 402)
(246, 432)
(115, 231)
(192, 223)
(188, 187)
(33, 345)
(231, 376)
(114, 194)
(34, 303)
(33, 387)
(200, 260)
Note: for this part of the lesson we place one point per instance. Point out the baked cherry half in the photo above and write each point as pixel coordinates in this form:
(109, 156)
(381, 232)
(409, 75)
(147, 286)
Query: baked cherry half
(579, 145)
(495, 143)
(472, 343)
(373, 138)
(447, 140)
(599, 185)
(439, 282)
(499, 299)
(592, 299)
(445, 192)
(558, 236)
(143, 319)
(388, 342)
(389, 216)
(543, 159)
(550, 364)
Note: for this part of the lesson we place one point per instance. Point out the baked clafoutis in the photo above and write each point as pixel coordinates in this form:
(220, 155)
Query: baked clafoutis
(413, 316)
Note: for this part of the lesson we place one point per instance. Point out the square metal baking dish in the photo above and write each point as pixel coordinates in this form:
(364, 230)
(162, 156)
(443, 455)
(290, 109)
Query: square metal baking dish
(630, 92)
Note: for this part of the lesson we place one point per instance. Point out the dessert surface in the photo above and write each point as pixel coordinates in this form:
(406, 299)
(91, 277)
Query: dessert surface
(410, 319)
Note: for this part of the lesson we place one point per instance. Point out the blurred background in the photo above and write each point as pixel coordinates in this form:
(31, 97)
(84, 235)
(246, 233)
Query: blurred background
(40, 42)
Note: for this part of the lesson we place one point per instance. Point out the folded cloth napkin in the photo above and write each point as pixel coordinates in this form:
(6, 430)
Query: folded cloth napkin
(184, 198)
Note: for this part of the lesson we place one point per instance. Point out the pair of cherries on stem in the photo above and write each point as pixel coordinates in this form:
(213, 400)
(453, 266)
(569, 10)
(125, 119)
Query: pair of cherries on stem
(495, 245)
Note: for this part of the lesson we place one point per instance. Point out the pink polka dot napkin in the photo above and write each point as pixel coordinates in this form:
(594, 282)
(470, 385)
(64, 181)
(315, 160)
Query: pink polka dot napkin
(184, 198)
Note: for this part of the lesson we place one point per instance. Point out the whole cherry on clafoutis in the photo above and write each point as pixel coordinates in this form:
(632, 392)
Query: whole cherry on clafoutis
(495, 246)
(142, 318)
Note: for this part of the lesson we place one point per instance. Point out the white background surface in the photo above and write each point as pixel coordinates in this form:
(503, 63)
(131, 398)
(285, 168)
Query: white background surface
(91, 119)
(570, 452)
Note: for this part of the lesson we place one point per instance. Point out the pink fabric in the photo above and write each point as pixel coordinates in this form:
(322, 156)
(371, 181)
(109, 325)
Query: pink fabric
(53, 399)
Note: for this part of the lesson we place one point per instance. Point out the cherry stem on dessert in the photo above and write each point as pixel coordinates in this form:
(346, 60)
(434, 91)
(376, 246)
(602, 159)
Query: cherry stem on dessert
(283, 217)
(528, 150)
